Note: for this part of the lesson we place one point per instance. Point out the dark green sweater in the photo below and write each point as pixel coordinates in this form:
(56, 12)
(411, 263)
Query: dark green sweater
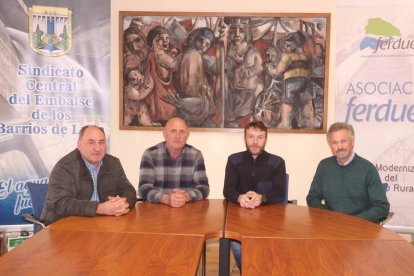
(354, 189)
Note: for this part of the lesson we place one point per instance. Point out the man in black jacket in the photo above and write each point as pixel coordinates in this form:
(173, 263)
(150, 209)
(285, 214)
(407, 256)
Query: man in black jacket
(254, 176)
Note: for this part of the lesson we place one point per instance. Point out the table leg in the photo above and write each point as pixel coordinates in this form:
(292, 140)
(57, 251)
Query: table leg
(203, 269)
(224, 260)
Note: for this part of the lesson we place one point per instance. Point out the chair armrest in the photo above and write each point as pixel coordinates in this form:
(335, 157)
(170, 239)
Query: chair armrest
(33, 220)
(386, 219)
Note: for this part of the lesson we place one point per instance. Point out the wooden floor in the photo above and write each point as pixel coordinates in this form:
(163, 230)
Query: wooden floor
(212, 260)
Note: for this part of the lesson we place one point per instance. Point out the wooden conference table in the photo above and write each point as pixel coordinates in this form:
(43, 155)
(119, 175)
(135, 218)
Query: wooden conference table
(154, 239)
(296, 240)
(78, 252)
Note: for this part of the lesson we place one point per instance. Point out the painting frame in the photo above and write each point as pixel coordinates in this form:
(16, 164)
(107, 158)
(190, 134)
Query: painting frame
(218, 71)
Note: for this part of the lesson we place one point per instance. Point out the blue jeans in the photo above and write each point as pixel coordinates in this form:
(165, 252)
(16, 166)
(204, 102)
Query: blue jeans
(236, 249)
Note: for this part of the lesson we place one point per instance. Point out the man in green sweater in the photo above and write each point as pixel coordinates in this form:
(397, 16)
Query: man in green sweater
(346, 182)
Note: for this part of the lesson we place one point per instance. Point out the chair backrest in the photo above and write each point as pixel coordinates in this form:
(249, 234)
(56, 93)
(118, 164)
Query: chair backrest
(266, 187)
(286, 198)
(38, 195)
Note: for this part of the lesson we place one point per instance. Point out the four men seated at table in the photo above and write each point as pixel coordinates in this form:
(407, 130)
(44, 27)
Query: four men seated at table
(89, 182)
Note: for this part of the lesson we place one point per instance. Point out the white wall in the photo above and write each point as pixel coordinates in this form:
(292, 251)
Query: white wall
(302, 152)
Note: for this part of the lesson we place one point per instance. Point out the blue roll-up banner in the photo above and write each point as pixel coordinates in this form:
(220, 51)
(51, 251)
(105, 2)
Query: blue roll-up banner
(55, 58)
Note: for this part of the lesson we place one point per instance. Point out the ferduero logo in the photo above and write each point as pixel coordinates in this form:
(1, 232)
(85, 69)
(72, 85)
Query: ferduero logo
(382, 36)
(50, 30)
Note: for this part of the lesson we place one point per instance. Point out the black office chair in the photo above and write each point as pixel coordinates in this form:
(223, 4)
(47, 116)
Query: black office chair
(38, 195)
(265, 188)
(286, 199)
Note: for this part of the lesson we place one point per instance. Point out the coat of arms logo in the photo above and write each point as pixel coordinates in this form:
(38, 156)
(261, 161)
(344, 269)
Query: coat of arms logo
(50, 30)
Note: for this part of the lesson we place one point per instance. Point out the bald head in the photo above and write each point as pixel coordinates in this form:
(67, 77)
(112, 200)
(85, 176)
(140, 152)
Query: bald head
(175, 121)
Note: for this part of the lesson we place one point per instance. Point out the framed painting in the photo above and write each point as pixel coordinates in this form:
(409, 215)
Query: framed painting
(218, 71)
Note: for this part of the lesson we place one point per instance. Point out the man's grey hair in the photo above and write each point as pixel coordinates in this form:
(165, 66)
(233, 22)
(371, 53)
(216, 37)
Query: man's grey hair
(339, 126)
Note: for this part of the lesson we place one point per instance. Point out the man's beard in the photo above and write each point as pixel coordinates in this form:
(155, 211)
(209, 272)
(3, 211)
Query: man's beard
(258, 153)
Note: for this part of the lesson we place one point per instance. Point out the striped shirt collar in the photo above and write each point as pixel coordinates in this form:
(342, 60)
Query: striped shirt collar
(348, 161)
(94, 171)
